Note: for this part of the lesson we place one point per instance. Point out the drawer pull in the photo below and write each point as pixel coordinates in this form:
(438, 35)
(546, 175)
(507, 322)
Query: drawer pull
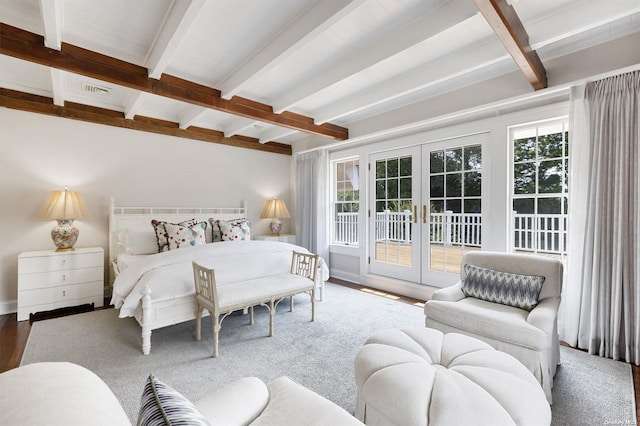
(64, 292)
(64, 277)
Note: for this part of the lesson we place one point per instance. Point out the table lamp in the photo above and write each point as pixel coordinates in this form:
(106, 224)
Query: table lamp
(275, 209)
(65, 207)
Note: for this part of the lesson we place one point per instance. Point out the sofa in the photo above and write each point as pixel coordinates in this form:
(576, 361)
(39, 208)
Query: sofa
(61, 393)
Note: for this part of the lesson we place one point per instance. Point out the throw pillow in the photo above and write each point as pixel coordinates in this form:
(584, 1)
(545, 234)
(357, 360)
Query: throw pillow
(162, 405)
(520, 291)
(233, 230)
(179, 236)
(161, 232)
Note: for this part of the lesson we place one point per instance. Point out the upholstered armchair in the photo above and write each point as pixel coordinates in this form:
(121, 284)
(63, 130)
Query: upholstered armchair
(497, 301)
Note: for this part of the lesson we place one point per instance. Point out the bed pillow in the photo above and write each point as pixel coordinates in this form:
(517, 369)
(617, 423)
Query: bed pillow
(519, 291)
(231, 230)
(140, 241)
(179, 236)
(163, 405)
(161, 232)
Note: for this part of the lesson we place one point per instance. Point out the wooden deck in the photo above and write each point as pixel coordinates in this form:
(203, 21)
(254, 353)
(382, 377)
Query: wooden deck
(442, 258)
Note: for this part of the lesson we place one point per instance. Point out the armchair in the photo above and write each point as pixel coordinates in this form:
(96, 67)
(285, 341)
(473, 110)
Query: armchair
(530, 336)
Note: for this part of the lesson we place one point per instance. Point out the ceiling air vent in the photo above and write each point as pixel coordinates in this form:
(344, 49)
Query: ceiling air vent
(92, 88)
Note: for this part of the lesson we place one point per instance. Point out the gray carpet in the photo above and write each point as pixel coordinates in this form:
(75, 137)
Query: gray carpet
(588, 390)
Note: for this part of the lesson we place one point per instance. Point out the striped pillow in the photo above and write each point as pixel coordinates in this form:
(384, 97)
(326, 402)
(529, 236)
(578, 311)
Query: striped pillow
(161, 405)
(519, 291)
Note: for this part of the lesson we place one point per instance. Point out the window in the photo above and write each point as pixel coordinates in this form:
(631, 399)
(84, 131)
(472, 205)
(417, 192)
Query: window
(540, 187)
(346, 202)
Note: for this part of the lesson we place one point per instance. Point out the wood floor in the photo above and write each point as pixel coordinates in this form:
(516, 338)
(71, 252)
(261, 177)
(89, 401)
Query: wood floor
(14, 335)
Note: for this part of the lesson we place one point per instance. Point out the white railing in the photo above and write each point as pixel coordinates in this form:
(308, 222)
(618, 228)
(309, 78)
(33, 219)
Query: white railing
(536, 233)
(542, 233)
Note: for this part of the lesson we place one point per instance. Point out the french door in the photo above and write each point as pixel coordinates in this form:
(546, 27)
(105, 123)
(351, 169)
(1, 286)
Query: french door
(425, 210)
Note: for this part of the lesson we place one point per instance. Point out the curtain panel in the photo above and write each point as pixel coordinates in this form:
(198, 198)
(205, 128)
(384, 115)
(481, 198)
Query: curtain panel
(600, 308)
(312, 202)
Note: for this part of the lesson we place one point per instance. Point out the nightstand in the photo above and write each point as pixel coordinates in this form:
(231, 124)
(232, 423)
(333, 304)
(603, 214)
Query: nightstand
(50, 280)
(285, 238)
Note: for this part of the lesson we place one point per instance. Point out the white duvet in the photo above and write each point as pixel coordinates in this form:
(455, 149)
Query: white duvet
(170, 274)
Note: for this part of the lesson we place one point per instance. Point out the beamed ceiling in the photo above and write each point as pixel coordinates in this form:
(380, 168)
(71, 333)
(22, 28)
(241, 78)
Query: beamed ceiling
(266, 74)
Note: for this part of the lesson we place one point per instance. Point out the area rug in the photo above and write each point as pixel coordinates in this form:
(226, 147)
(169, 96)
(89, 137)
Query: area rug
(588, 389)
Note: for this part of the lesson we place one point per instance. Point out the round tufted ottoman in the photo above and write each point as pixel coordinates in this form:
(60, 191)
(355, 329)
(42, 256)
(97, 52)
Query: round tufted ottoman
(420, 376)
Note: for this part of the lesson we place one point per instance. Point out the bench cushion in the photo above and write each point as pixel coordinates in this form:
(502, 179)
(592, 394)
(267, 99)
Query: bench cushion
(252, 292)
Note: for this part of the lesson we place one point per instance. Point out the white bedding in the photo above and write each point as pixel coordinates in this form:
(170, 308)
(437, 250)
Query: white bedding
(170, 274)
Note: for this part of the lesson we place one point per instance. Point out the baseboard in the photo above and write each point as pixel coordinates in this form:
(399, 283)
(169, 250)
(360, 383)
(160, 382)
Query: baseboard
(345, 276)
(10, 307)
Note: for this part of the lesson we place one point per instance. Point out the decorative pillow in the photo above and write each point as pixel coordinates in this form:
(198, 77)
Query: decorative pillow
(520, 291)
(231, 230)
(161, 232)
(162, 405)
(179, 236)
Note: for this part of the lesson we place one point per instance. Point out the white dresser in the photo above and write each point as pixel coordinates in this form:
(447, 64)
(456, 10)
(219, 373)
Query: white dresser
(285, 238)
(50, 280)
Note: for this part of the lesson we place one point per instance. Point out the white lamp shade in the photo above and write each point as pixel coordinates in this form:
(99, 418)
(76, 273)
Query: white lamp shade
(275, 208)
(64, 205)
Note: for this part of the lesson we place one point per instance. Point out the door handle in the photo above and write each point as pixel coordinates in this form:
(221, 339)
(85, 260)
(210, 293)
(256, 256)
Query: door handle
(415, 214)
(424, 213)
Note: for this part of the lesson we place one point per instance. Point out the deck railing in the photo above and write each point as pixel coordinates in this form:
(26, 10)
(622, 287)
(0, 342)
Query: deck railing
(535, 233)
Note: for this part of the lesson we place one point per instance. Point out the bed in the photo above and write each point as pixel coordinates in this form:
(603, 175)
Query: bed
(156, 288)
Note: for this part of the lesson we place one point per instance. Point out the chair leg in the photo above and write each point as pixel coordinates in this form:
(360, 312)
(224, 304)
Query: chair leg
(216, 330)
(313, 304)
(198, 323)
(250, 315)
(272, 311)
(291, 303)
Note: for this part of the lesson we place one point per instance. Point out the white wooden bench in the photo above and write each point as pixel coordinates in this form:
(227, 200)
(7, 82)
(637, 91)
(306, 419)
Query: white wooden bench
(269, 291)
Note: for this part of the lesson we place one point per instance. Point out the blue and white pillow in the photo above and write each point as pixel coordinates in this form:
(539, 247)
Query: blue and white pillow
(520, 291)
(231, 230)
(162, 405)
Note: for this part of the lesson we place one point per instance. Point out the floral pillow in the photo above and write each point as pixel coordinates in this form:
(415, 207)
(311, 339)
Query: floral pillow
(232, 230)
(179, 236)
(161, 232)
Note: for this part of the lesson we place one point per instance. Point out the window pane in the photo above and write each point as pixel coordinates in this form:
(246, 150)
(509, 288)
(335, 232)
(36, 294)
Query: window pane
(524, 149)
(381, 206)
(392, 168)
(472, 184)
(405, 188)
(437, 186)
(550, 146)
(381, 189)
(437, 162)
(454, 185)
(455, 205)
(524, 178)
(472, 205)
(473, 158)
(550, 205)
(381, 169)
(524, 205)
(437, 206)
(405, 166)
(453, 160)
(392, 188)
(550, 177)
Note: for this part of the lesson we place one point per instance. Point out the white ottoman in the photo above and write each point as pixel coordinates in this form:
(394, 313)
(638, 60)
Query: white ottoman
(420, 376)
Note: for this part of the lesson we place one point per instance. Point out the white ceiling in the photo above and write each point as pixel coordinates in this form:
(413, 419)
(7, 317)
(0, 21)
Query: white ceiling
(337, 61)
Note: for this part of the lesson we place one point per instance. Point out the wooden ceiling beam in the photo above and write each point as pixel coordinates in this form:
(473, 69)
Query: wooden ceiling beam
(30, 47)
(43, 105)
(505, 22)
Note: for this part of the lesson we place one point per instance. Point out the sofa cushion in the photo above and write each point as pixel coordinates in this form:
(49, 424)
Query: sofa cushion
(238, 403)
(162, 405)
(57, 393)
(517, 290)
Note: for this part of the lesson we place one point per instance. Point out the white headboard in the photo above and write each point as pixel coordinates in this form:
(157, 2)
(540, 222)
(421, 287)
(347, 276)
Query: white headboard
(121, 218)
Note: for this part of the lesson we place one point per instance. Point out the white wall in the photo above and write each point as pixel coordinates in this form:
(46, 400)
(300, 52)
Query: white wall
(40, 153)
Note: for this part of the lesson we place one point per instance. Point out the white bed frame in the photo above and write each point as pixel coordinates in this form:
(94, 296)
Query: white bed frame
(160, 313)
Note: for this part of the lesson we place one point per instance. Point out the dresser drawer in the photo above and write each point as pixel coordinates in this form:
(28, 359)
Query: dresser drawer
(60, 278)
(60, 294)
(59, 262)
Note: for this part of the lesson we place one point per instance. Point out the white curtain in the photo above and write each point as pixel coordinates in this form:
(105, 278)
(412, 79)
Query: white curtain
(600, 308)
(312, 202)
